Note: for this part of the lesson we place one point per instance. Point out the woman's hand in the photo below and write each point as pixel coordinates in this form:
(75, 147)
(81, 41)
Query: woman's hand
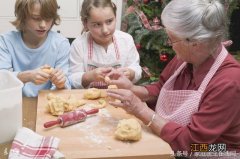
(119, 79)
(129, 101)
(58, 78)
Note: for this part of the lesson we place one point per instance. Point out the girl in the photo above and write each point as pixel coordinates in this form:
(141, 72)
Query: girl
(34, 48)
(101, 48)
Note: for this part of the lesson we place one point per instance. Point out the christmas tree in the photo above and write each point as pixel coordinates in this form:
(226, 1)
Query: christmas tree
(142, 20)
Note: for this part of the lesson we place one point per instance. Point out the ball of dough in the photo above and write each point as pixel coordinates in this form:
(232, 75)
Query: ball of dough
(47, 70)
(128, 130)
(107, 79)
(92, 93)
(112, 87)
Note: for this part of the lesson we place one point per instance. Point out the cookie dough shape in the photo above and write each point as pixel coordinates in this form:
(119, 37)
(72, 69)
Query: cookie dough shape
(107, 79)
(47, 69)
(128, 130)
(58, 105)
(92, 93)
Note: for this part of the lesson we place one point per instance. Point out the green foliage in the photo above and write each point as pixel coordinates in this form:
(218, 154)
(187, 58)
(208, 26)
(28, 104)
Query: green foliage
(151, 43)
(230, 5)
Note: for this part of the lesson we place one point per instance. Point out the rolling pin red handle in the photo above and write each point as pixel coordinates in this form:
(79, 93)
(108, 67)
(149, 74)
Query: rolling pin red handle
(52, 123)
(92, 111)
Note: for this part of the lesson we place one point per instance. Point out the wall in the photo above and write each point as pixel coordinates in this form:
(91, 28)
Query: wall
(69, 11)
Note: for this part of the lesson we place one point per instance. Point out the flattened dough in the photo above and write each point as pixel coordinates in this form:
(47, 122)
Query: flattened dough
(58, 105)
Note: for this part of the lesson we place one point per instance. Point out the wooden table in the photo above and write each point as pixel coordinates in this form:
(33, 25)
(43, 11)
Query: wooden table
(103, 150)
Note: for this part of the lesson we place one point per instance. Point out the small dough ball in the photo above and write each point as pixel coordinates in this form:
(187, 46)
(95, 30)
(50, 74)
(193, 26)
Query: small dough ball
(107, 79)
(112, 87)
(92, 93)
(47, 69)
(128, 130)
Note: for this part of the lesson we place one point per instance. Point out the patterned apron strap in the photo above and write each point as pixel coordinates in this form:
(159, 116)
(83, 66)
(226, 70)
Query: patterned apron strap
(219, 60)
(90, 48)
(176, 73)
(116, 48)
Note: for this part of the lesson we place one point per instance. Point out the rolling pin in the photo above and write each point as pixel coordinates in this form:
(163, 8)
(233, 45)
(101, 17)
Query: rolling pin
(71, 118)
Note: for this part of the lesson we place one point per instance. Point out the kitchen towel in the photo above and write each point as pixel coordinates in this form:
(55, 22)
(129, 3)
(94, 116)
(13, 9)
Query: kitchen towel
(30, 145)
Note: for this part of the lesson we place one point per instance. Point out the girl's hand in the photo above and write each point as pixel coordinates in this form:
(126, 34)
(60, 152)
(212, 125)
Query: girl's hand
(129, 101)
(126, 72)
(119, 79)
(58, 78)
(100, 73)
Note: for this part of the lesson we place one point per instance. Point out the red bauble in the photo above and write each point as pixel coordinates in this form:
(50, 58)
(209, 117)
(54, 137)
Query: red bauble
(163, 57)
(145, 1)
(138, 46)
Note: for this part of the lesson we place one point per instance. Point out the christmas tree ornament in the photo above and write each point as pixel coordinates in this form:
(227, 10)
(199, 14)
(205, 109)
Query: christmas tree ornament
(163, 57)
(145, 1)
(138, 46)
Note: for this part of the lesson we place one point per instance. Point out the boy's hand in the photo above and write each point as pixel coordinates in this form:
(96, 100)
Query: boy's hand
(58, 78)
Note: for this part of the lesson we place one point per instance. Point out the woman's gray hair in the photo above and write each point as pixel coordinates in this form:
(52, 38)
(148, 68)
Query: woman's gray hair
(200, 20)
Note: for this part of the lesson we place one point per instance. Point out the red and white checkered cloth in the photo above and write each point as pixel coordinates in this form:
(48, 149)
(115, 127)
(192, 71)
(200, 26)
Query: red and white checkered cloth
(29, 145)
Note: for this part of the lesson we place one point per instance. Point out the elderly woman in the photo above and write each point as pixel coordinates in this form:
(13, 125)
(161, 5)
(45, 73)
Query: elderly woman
(198, 94)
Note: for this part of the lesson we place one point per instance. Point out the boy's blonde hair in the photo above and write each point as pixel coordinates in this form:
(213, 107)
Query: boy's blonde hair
(87, 5)
(23, 9)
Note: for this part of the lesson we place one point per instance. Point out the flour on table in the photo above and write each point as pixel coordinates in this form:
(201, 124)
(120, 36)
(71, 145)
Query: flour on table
(90, 127)
(94, 138)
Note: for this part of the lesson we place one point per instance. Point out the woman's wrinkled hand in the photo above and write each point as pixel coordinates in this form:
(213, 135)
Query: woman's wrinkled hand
(129, 101)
